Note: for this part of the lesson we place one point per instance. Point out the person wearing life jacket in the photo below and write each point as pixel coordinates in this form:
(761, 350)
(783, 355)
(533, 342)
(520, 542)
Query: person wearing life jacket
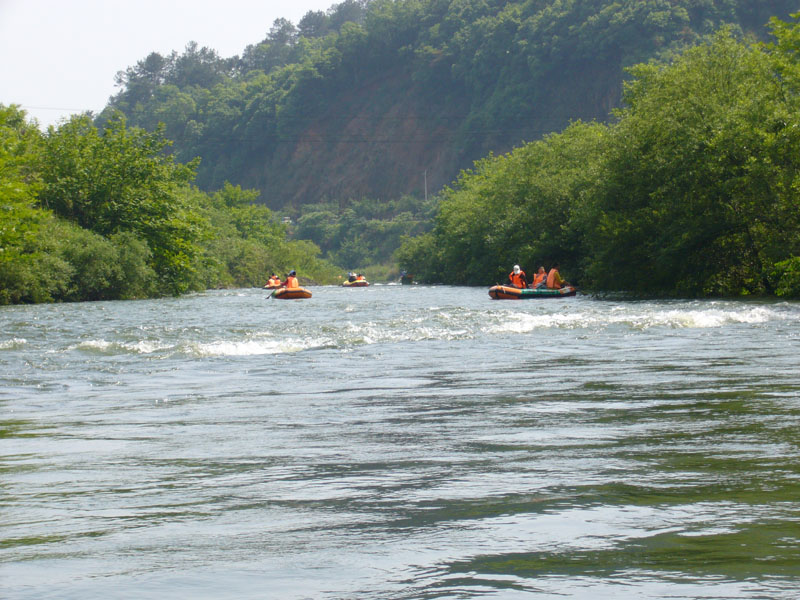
(274, 280)
(517, 278)
(539, 279)
(351, 277)
(554, 280)
(361, 277)
(291, 280)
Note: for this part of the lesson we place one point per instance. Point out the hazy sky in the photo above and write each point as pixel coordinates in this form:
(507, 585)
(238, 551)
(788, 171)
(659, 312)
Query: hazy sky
(59, 57)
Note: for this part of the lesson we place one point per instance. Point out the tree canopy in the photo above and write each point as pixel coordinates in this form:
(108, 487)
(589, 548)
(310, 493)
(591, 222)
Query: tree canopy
(648, 146)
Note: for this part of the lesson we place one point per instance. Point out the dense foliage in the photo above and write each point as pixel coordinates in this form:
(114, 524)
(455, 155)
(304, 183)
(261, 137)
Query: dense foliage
(694, 190)
(514, 208)
(366, 234)
(91, 214)
(700, 184)
(381, 100)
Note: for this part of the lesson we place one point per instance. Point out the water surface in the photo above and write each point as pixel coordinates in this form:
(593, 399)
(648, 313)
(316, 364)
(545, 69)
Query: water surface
(399, 442)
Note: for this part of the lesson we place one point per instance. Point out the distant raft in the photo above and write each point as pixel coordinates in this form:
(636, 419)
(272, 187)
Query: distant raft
(507, 292)
(285, 293)
(356, 283)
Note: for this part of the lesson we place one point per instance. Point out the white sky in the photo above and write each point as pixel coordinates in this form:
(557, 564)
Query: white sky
(59, 57)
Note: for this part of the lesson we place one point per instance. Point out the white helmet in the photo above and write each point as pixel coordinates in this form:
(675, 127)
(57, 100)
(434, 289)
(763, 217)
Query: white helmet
(516, 268)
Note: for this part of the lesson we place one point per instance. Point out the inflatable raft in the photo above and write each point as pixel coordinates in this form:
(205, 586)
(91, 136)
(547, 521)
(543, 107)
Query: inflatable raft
(507, 292)
(291, 293)
(362, 283)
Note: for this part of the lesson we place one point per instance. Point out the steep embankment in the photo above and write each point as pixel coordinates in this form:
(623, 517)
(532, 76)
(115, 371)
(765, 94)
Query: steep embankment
(380, 140)
(390, 136)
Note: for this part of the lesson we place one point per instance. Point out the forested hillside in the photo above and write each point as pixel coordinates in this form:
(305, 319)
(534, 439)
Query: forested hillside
(381, 99)
(694, 190)
(645, 145)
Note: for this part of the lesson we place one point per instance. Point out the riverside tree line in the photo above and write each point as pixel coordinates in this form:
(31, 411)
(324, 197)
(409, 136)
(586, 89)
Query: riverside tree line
(693, 189)
(103, 214)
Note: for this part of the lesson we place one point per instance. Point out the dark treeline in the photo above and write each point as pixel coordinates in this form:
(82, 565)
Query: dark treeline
(104, 214)
(692, 190)
(365, 235)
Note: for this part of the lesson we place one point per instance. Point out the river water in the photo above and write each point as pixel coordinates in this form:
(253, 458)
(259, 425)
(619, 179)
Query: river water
(398, 443)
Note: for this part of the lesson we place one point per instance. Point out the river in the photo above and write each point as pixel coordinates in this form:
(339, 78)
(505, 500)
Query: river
(398, 443)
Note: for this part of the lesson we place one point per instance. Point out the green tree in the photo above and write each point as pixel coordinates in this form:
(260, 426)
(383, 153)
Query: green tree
(139, 82)
(119, 179)
(20, 220)
(19, 146)
(524, 207)
(698, 195)
(314, 24)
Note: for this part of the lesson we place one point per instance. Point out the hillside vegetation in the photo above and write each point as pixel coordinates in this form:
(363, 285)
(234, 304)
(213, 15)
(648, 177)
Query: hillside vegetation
(375, 98)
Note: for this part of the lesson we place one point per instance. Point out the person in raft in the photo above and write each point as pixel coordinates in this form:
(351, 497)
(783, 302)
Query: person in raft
(554, 280)
(540, 279)
(274, 280)
(517, 278)
(291, 280)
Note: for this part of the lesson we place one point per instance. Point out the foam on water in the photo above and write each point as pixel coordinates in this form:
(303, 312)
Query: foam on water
(102, 346)
(639, 319)
(253, 347)
(439, 323)
(12, 344)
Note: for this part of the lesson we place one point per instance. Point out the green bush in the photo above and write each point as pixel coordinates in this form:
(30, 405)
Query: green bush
(786, 276)
(137, 278)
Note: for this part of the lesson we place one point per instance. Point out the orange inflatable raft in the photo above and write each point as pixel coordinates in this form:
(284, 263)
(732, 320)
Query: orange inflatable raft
(285, 293)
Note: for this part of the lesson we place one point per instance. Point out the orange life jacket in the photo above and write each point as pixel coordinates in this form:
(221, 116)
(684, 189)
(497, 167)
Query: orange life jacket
(538, 278)
(554, 279)
(518, 279)
(291, 282)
